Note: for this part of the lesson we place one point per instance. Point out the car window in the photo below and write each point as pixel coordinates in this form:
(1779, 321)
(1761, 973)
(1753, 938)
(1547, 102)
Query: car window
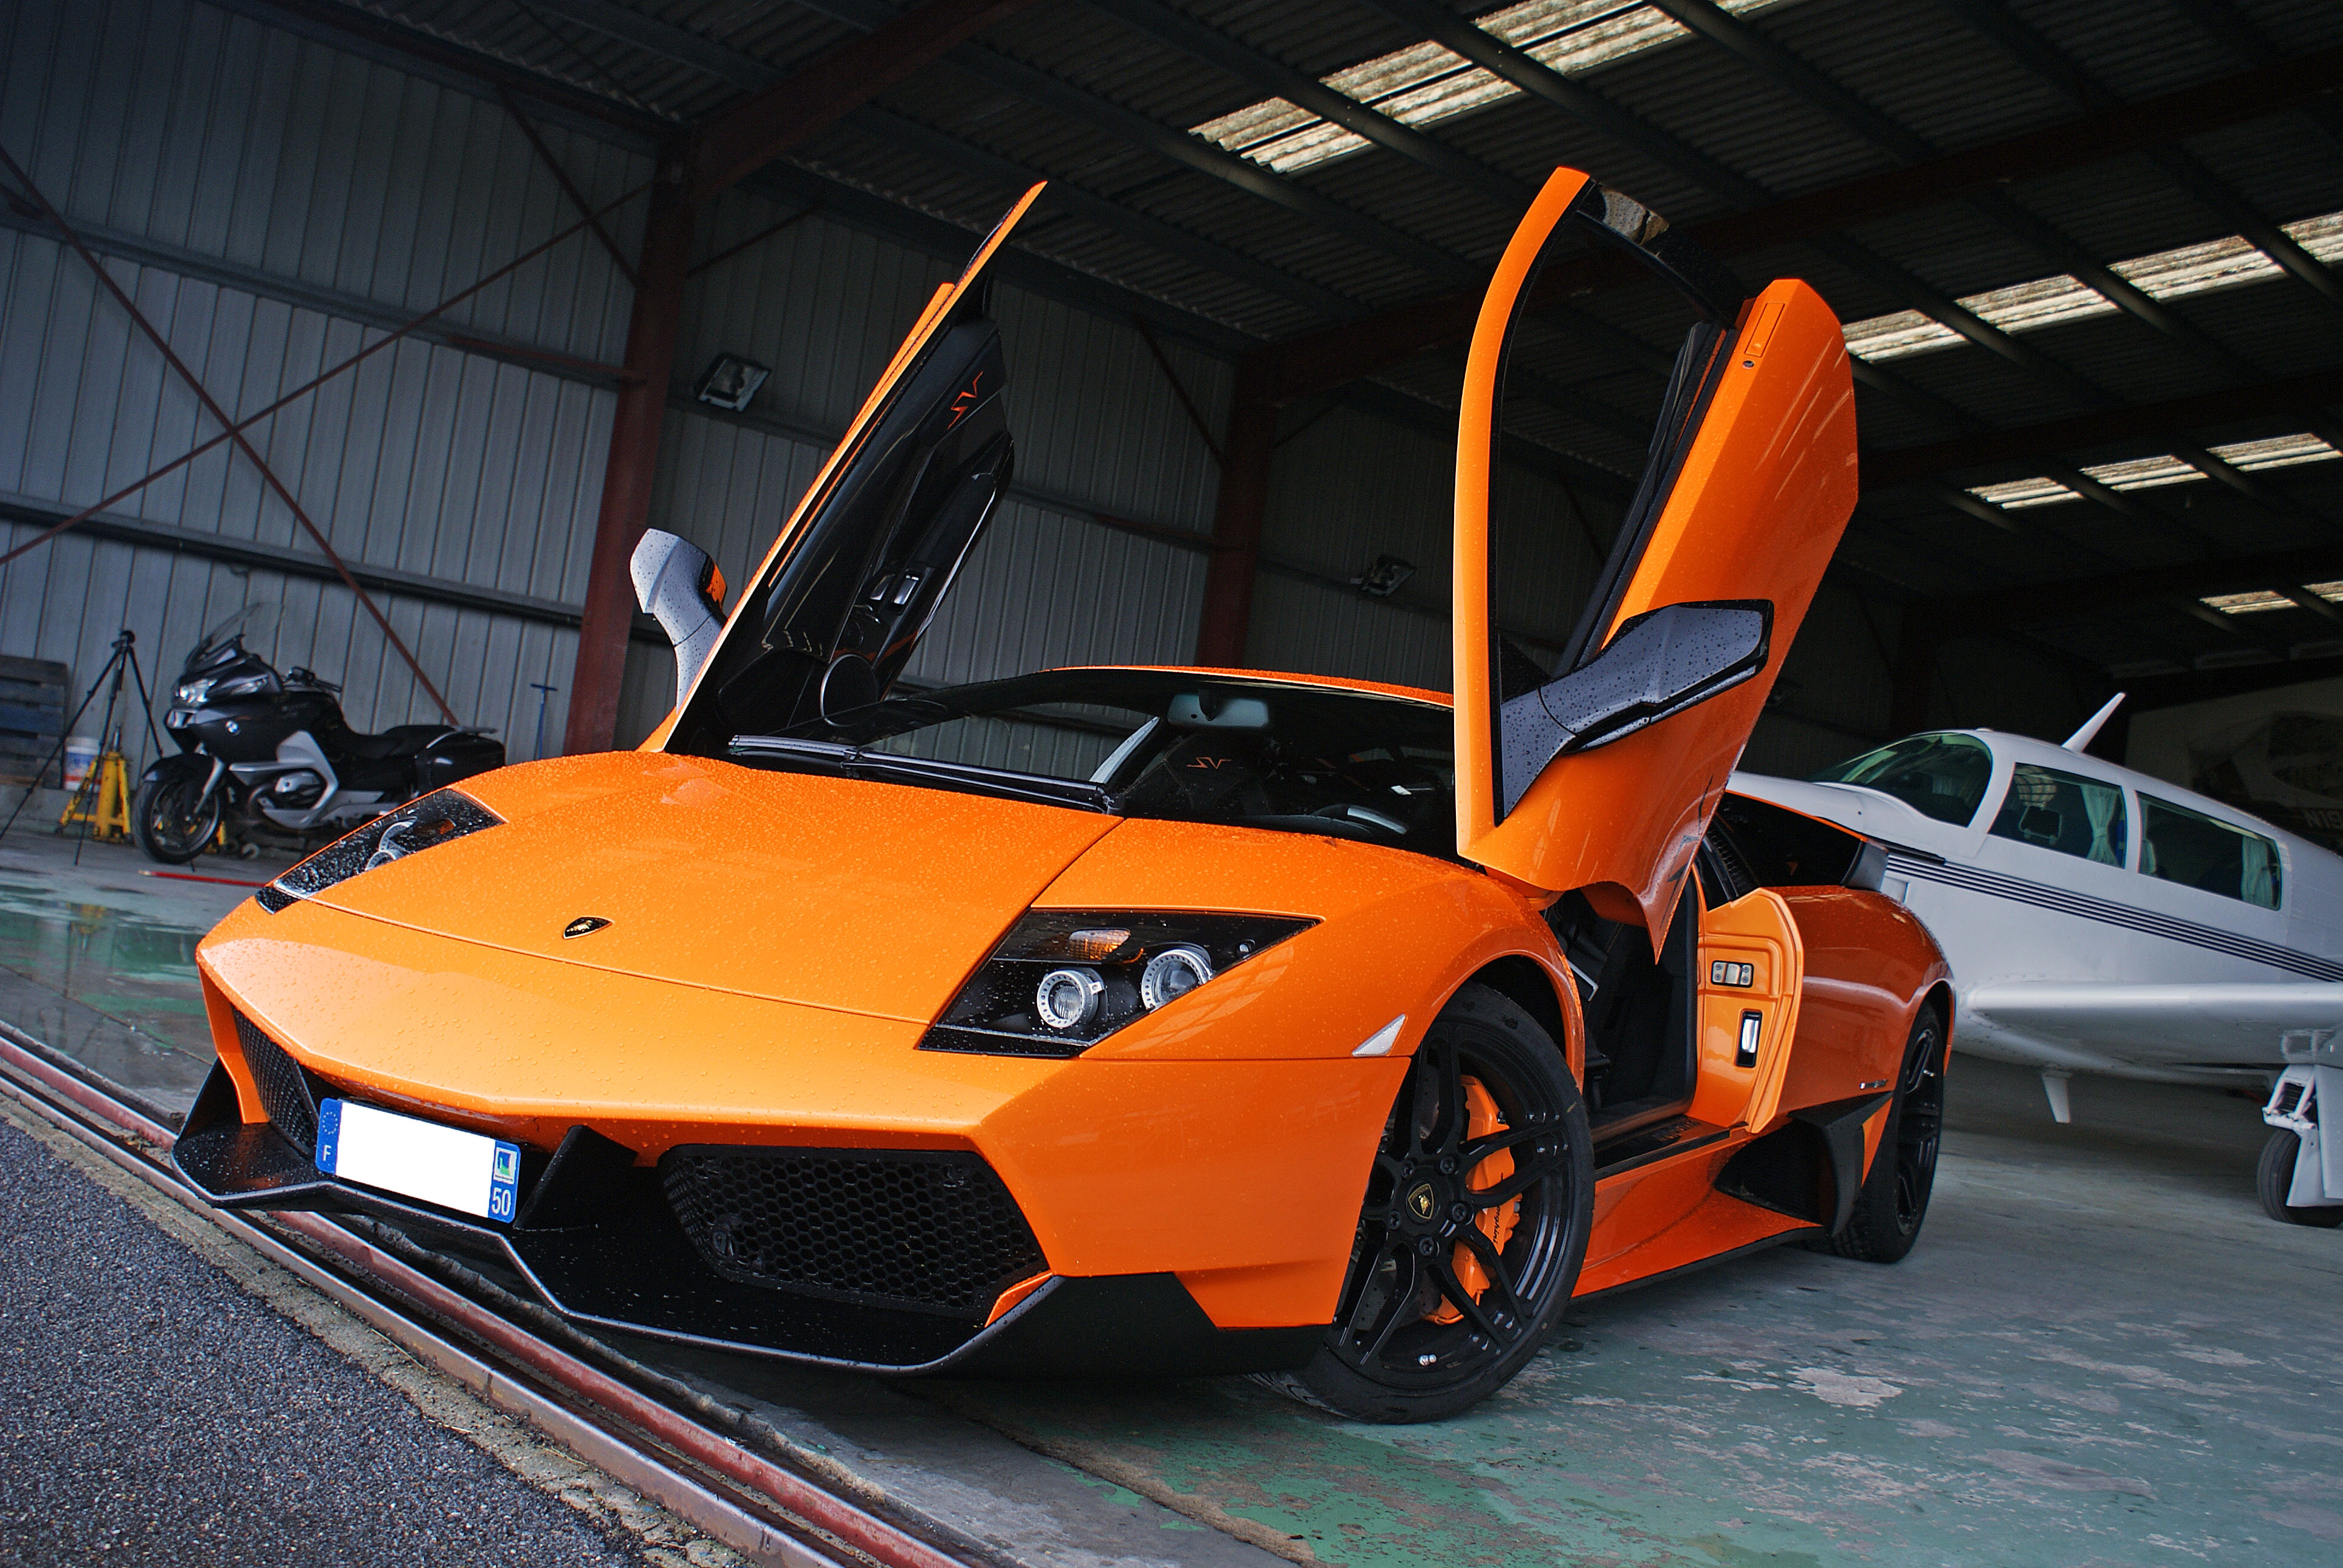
(2200, 851)
(2065, 812)
(1189, 748)
(1939, 776)
(1056, 740)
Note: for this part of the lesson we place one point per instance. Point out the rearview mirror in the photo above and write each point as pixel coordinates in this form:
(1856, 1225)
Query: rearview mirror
(1658, 664)
(679, 587)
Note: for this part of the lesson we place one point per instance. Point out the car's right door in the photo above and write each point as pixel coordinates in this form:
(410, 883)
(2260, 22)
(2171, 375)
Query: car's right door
(833, 614)
(1603, 775)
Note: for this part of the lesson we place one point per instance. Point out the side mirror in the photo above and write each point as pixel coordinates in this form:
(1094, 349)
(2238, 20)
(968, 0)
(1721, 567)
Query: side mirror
(1658, 664)
(679, 587)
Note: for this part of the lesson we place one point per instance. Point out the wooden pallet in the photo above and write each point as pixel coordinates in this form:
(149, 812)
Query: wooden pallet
(31, 717)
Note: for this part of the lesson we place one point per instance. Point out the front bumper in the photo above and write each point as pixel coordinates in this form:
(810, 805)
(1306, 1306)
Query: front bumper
(604, 1246)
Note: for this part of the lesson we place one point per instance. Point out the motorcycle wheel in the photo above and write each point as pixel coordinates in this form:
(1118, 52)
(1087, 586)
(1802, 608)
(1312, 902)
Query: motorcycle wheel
(170, 827)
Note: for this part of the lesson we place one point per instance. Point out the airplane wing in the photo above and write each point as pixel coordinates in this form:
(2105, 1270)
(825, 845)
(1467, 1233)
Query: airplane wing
(2234, 1025)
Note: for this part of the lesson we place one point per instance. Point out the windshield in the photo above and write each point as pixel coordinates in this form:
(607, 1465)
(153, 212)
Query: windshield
(1939, 776)
(250, 621)
(1178, 748)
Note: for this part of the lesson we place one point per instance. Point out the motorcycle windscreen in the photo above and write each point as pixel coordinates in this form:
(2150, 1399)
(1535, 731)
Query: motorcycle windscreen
(1601, 772)
(835, 610)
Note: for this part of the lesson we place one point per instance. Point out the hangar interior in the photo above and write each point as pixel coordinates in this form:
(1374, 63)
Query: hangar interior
(2086, 263)
(487, 287)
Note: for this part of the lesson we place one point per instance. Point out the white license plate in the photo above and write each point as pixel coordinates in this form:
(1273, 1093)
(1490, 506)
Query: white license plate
(443, 1165)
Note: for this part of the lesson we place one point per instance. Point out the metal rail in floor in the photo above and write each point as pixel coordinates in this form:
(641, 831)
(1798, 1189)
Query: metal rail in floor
(629, 1420)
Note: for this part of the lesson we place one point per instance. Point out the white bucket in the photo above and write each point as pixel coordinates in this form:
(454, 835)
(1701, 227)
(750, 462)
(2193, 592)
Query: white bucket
(81, 756)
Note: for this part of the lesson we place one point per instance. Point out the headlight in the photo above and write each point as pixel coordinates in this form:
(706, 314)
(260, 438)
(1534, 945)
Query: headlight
(191, 692)
(242, 685)
(1060, 983)
(435, 820)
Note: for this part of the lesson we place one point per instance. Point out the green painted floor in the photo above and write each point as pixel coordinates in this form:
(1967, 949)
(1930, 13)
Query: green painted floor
(2100, 1354)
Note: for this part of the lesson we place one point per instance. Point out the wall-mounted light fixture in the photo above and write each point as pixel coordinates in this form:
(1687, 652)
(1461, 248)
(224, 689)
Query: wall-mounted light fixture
(1382, 579)
(730, 381)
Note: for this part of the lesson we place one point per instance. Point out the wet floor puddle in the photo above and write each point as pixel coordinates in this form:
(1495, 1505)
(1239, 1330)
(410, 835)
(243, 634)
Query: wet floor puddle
(132, 968)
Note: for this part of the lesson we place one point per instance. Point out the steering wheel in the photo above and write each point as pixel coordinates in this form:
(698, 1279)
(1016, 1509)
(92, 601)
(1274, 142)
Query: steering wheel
(1367, 816)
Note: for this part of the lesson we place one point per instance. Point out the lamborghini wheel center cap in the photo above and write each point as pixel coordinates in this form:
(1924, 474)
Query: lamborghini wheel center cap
(1422, 1202)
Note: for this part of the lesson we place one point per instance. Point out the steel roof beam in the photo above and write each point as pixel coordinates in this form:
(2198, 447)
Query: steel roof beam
(748, 136)
(1793, 75)
(1065, 196)
(2066, 598)
(1883, 470)
(2065, 75)
(1328, 358)
(1240, 60)
(1081, 105)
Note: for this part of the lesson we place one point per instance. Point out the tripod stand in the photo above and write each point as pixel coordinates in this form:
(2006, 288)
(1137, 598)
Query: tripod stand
(123, 661)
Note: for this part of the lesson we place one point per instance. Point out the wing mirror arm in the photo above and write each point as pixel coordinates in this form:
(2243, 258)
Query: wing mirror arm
(679, 587)
(1657, 664)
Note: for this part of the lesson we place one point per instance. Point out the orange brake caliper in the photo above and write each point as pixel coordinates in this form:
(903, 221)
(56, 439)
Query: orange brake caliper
(1482, 1119)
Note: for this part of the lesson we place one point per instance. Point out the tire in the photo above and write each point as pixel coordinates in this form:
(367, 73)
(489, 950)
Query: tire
(166, 826)
(1459, 1271)
(1894, 1201)
(2275, 1180)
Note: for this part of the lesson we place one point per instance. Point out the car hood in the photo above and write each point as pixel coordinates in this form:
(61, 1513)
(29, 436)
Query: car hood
(835, 893)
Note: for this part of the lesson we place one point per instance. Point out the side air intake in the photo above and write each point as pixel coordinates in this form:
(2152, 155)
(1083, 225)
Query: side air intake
(284, 1087)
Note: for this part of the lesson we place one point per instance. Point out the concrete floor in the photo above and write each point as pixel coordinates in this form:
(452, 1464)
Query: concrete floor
(2100, 1352)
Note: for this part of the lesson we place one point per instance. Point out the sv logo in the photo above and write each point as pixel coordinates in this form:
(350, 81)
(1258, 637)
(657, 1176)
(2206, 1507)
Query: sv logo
(1210, 763)
(965, 401)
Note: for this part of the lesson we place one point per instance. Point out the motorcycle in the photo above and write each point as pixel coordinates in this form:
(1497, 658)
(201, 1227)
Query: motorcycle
(262, 751)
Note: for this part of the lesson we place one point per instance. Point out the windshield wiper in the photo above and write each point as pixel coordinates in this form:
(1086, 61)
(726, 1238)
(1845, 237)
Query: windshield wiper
(855, 763)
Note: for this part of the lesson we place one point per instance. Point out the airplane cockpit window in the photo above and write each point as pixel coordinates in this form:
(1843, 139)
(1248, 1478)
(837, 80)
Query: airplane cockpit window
(2200, 851)
(1939, 776)
(2061, 811)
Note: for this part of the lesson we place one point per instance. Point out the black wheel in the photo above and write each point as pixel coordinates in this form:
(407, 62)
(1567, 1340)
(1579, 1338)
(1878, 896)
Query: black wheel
(170, 827)
(2275, 1180)
(1475, 1226)
(1894, 1201)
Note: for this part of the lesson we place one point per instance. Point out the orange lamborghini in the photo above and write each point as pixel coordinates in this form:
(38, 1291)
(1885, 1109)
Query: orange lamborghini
(1126, 1019)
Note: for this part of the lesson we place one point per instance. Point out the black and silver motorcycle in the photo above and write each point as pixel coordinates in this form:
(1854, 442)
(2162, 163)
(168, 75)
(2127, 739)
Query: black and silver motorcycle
(271, 753)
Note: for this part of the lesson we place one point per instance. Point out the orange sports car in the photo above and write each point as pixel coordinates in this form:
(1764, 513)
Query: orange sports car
(1102, 1020)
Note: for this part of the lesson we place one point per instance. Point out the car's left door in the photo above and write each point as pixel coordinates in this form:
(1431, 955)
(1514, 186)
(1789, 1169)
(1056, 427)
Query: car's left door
(833, 615)
(1602, 775)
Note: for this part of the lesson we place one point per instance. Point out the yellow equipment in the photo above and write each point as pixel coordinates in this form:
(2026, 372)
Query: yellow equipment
(102, 800)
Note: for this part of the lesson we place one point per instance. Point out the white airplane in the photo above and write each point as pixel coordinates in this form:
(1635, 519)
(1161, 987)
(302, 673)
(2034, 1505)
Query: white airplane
(2102, 920)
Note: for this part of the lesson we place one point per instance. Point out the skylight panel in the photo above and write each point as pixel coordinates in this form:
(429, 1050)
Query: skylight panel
(2150, 473)
(1427, 83)
(2261, 599)
(2046, 302)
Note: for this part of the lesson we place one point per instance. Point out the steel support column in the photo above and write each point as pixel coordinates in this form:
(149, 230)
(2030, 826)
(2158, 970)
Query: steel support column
(601, 667)
(1246, 453)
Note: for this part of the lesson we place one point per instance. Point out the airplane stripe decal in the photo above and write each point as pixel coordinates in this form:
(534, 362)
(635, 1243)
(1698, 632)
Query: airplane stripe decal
(1995, 885)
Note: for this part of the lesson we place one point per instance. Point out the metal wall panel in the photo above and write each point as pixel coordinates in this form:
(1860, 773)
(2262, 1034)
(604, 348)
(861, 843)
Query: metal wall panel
(194, 126)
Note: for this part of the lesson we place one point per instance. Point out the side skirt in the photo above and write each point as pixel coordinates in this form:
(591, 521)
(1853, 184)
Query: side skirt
(1764, 1243)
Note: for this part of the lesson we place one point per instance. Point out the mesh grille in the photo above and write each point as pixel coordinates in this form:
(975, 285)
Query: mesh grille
(284, 1091)
(936, 1231)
